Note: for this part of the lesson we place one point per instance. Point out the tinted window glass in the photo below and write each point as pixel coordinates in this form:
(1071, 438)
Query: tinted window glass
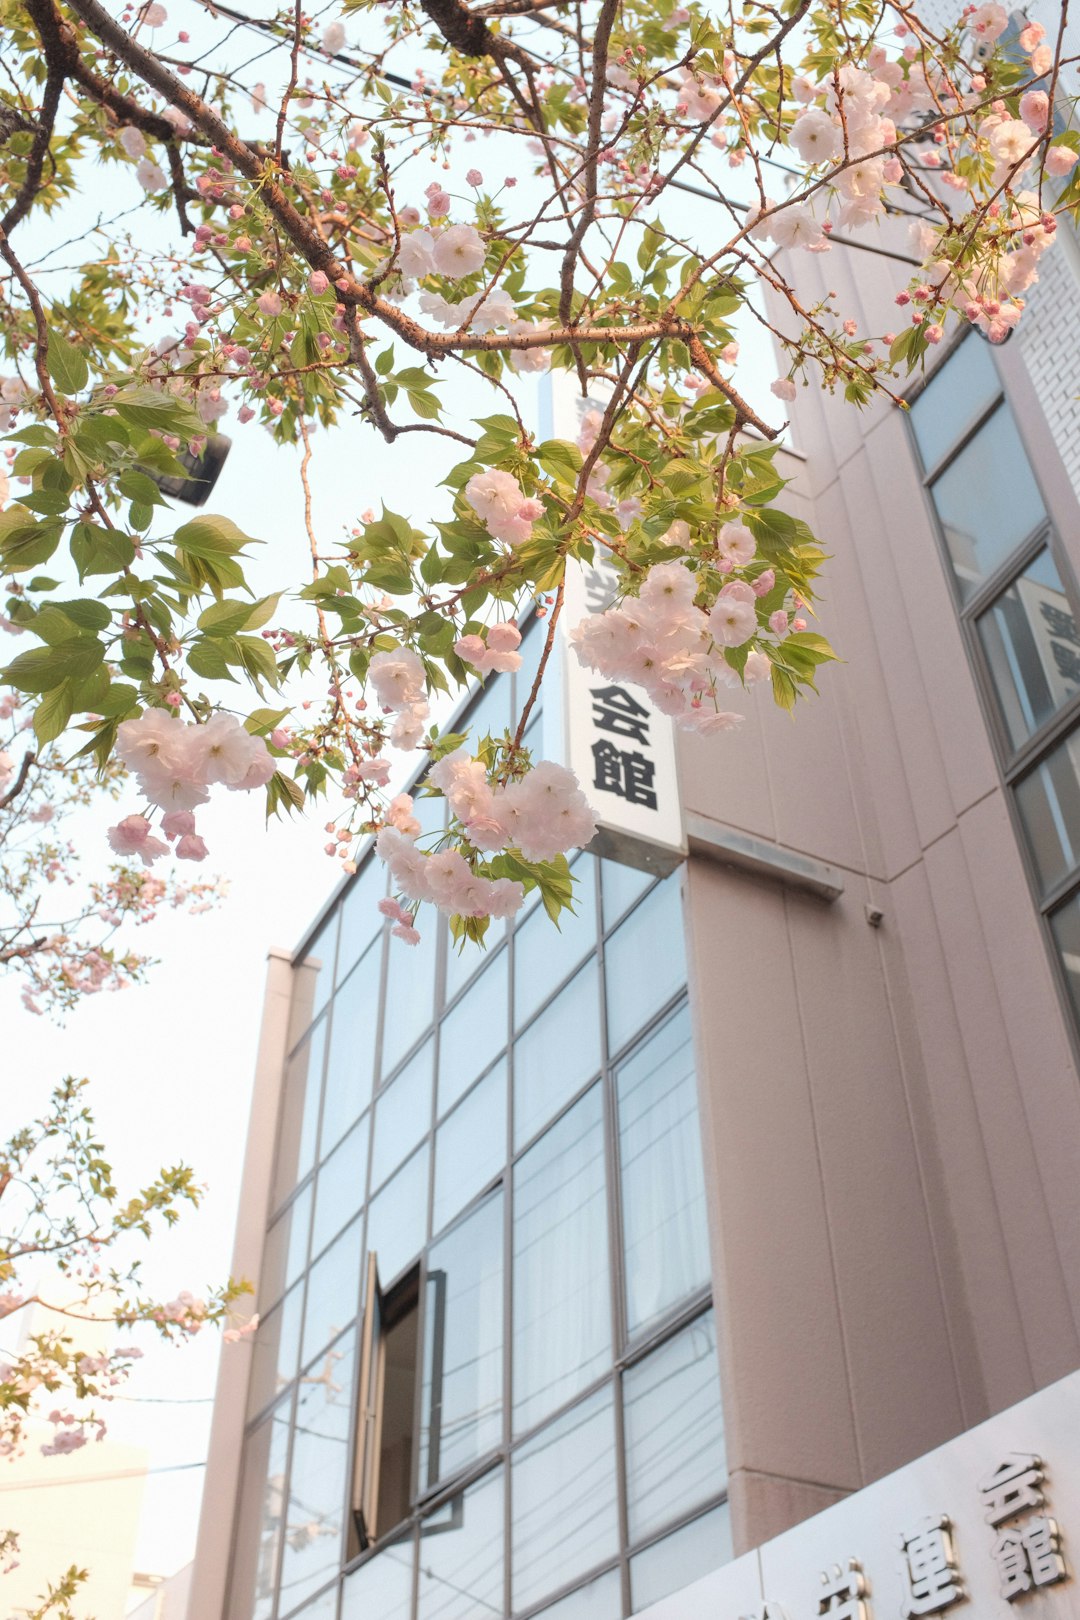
(299, 1123)
(410, 993)
(674, 1429)
(960, 390)
(402, 1114)
(315, 1515)
(988, 501)
(1066, 925)
(1049, 801)
(315, 970)
(665, 1233)
(557, 1054)
(286, 1249)
(562, 1321)
(258, 1530)
(361, 918)
(461, 1558)
(545, 955)
(340, 1187)
(600, 1600)
(397, 1224)
(333, 1291)
(381, 1589)
(349, 1068)
(620, 886)
(470, 1148)
(463, 1340)
(1032, 647)
(474, 1034)
(684, 1556)
(645, 963)
(564, 1514)
(276, 1350)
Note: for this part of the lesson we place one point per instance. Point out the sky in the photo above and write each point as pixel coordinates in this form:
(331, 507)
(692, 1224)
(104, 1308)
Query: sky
(171, 1062)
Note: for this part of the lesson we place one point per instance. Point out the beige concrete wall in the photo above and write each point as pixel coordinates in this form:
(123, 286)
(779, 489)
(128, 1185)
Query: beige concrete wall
(891, 1115)
(209, 1580)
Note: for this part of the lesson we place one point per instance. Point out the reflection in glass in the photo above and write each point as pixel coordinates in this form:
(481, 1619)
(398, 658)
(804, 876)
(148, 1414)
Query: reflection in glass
(463, 1338)
(470, 1148)
(562, 1322)
(1032, 647)
(324, 1607)
(461, 1555)
(954, 399)
(987, 500)
(620, 886)
(349, 1068)
(558, 1052)
(674, 1429)
(361, 918)
(276, 1350)
(1049, 801)
(410, 995)
(381, 1589)
(491, 716)
(563, 1499)
(473, 1035)
(544, 955)
(340, 1188)
(315, 970)
(315, 1517)
(644, 963)
(333, 1291)
(285, 1250)
(466, 957)
(258, 1529)
(403, 1114)
(600, 1600)
(665, 1232)
(684, 1556)
(1066, 926)
(299, 1113)
(397, 1222)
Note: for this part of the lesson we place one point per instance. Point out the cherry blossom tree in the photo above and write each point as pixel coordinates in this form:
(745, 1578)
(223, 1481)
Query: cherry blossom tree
(301, 267)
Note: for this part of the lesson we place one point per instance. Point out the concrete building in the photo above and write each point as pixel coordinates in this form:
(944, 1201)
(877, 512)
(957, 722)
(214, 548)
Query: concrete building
(590, 1265)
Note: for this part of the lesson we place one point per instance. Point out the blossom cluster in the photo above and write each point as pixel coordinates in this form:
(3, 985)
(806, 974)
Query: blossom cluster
(400, 686)
(176, 764)
(498, 654)
(502, 506)
(662, 641)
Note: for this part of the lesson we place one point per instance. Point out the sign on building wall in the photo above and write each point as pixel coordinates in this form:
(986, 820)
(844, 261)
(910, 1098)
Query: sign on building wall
(986, 1526)
(620, 747)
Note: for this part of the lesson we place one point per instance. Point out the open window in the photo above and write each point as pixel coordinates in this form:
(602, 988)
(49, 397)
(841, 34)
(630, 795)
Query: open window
(389, 1353)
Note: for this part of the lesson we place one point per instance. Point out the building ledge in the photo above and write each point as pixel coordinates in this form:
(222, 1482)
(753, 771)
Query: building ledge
(727, 845)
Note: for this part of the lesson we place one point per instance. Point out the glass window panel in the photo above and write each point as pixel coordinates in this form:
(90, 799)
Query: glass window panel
(987, 500)
(562, 1312)
(403, 1114)
(684, 1556)
(397, 1222)
(532, 645)
(600, 1600)
(339, 1191)
(644, 963)
(620, 886)
(463, 1342)
(1066, 926)
(350, 1066)
(410, 994)
(491, 716)
(315, 1517)
(470, 1148)
(315, 970)
(285, 1252)
(665, 1226)
(473, 1035)
(1031, 644)
(361, 918)
(381, 1589)
(545, 955)
(465, 957)
(565, 1519)
(333, 1291)
(276, 1350)
(299, 1113)
(558, 1052)
(461, 1555)
(674, 1429)
(1049, 801)
(258, 1530)
(324, 1607)
(953, 400)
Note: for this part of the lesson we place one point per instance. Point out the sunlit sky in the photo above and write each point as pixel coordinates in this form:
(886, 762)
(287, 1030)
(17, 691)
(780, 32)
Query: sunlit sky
(171, 1062)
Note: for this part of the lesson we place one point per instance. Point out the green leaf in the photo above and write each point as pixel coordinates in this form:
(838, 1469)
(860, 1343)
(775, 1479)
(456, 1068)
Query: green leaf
(207, 658)
(260, 722)
(43, 668)
(95, 550)
(66, 365)
(87, 613)
(53, 713)
(137, 486)
(211, 537)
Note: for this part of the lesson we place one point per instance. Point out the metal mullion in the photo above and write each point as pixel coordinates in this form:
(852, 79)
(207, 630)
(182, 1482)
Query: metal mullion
(594, 1079)
(279, 1557)
(1007, 572)
(709, 1505)
(1042, 743)
(659, 1017)
(669, 1326)
(1061, 892)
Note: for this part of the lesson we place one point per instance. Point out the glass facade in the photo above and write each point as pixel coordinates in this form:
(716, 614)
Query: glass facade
(513, 1134)
(1020, 610)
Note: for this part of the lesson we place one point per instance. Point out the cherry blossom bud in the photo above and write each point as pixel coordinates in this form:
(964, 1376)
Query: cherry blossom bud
(934, 334)
(778, 622)
(474, 177)
(270, 303)
(764, 583)
(318, 283)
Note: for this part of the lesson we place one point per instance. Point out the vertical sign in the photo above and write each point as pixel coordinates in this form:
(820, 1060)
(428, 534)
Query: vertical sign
(620, 747)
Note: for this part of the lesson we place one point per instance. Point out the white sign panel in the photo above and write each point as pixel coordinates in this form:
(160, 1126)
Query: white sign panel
(620, 747)
(986, 1528)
